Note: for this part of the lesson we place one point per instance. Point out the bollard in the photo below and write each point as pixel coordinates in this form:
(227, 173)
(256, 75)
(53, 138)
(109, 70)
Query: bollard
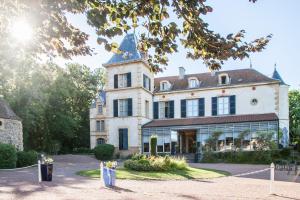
(272, 173)
(39, 171)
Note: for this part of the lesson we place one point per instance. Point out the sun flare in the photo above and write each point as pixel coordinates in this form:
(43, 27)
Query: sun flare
(21, 31)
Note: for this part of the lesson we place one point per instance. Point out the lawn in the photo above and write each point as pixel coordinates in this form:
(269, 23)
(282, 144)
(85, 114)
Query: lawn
(189, 173)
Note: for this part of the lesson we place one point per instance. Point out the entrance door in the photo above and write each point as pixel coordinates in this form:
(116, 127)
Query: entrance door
(187, 141)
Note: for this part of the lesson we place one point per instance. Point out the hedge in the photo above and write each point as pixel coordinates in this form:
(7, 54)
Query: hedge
(26, 158)
(104, 151)
(245, 157)
(8, 156)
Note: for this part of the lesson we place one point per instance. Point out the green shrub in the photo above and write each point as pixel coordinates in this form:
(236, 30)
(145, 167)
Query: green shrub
(144, 163)
(247, 157)
(153, 145)
(104, 151)
(8, 156)
(26, 158)
(83, 150)
(285, 152)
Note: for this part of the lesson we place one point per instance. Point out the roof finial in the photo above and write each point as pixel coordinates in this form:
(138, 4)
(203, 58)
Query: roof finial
(275, 65)
(250, 63)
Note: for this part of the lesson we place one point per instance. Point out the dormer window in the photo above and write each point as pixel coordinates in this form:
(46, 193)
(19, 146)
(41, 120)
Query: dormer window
(224, 79)
(164, 86)
(193, 83)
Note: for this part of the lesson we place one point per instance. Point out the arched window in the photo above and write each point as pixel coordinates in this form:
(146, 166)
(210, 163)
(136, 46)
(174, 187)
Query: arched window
(100, 141)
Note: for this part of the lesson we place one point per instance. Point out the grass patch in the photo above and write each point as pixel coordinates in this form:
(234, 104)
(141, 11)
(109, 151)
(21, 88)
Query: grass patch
(189, 173)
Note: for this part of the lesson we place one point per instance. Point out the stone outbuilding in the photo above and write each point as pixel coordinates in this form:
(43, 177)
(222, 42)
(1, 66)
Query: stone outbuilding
(11, 131)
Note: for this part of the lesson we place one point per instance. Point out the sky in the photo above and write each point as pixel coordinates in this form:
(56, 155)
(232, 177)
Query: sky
(280, 18)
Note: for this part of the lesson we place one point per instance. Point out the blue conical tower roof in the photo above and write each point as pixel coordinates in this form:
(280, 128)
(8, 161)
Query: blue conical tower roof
(129, 51)
(277, 76)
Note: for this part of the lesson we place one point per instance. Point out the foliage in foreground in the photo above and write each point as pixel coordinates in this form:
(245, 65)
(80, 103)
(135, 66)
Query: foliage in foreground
(104, 151)
(8, 156)
(189, 173)
(246, 157)
(26, 158)
(11, 158)
(162, 24)
(152, 163)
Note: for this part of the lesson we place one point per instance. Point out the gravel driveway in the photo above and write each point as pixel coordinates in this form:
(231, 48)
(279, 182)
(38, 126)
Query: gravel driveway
(66, 185)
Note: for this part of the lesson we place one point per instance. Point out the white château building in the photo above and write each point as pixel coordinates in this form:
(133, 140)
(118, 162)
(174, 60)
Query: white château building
(185, 109)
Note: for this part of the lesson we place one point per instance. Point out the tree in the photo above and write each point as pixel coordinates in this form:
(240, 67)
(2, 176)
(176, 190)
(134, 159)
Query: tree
(294, 105)
(240, 139)
(56, 36)
(264, 140)
(213, 140)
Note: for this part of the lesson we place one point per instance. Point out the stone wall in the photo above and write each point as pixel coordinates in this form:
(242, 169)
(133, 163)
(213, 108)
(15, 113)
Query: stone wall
(11, 132)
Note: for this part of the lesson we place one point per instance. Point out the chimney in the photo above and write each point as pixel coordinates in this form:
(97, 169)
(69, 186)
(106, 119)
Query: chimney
(181, 72)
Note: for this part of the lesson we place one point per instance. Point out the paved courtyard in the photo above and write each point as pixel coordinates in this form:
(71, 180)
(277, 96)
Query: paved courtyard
(23, 184)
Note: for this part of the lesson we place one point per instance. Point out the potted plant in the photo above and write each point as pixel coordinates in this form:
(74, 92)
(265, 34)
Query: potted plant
(47, 168)
(108, 173)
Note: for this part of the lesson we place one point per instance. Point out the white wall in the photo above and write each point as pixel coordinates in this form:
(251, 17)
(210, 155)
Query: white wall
(265, 94)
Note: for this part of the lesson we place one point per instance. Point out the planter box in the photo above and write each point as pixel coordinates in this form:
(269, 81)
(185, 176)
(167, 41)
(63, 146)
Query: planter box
(46, 171)
(109, 177)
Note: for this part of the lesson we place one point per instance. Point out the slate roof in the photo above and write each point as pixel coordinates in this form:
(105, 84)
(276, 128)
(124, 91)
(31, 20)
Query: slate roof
(129, 50)
(102, 96)
(211, 120)
(277, 76)
(6, 112)
(237, 77)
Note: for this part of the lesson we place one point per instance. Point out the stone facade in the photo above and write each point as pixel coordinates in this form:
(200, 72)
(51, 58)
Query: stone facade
(11, 133)
(11, 130)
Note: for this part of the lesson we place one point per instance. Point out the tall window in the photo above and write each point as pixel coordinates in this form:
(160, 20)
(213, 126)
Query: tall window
(100, 109)
(100, 125)
(123, 107)
(223, 105)
(192, 108)
(146, 82)
(163, 109)
(122, 80)
(123, 139)
(147, 109)
(146, 146)
(193, 83)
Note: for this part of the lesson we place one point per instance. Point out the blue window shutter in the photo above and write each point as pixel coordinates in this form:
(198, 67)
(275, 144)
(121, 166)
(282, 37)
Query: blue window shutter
(125, 139)
(232, 104)
(129, 79)
(120, 139)
(214, 106)
(129, 106)
(155, 110)
(116, 108)
(149, 84)
(116, 81)
(171, 109)
(201, 107)
(144, 80)
(183, 108)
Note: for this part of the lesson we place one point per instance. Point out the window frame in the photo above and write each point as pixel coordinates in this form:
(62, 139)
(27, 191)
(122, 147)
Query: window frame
(101, 125)
(122, 80)
(163, 110)
(164, 86)
(147, 109)
(123, 107)
(194, 107)
(194, 81)
(221, 105)
(100, 109)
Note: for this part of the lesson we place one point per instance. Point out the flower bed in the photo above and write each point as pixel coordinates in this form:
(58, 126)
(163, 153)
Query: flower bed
(150, 163)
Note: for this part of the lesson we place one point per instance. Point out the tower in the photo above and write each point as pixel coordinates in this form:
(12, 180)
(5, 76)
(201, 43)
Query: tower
(283, 107)
(129, 96)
